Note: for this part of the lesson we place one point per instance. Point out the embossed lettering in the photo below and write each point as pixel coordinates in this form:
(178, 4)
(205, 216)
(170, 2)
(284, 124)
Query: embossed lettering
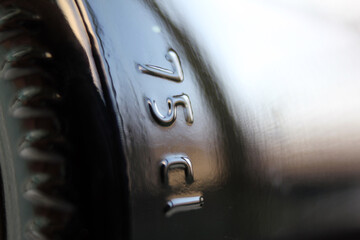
(183, 204)
(176, 162)
(169, 118)
(176, 74)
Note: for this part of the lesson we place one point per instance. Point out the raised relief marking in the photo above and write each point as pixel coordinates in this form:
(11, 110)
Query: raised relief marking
(176, 74)
(176, 162)
(170, 117)
(184, 204)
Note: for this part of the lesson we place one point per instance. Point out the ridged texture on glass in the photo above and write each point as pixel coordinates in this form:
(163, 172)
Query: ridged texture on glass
(28, 66)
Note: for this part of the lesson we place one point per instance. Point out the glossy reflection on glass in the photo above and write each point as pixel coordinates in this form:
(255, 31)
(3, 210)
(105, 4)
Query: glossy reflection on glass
(274, 89)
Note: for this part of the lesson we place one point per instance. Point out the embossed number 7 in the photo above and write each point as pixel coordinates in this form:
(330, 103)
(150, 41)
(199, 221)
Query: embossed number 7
(175, 75)
(183, 100)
